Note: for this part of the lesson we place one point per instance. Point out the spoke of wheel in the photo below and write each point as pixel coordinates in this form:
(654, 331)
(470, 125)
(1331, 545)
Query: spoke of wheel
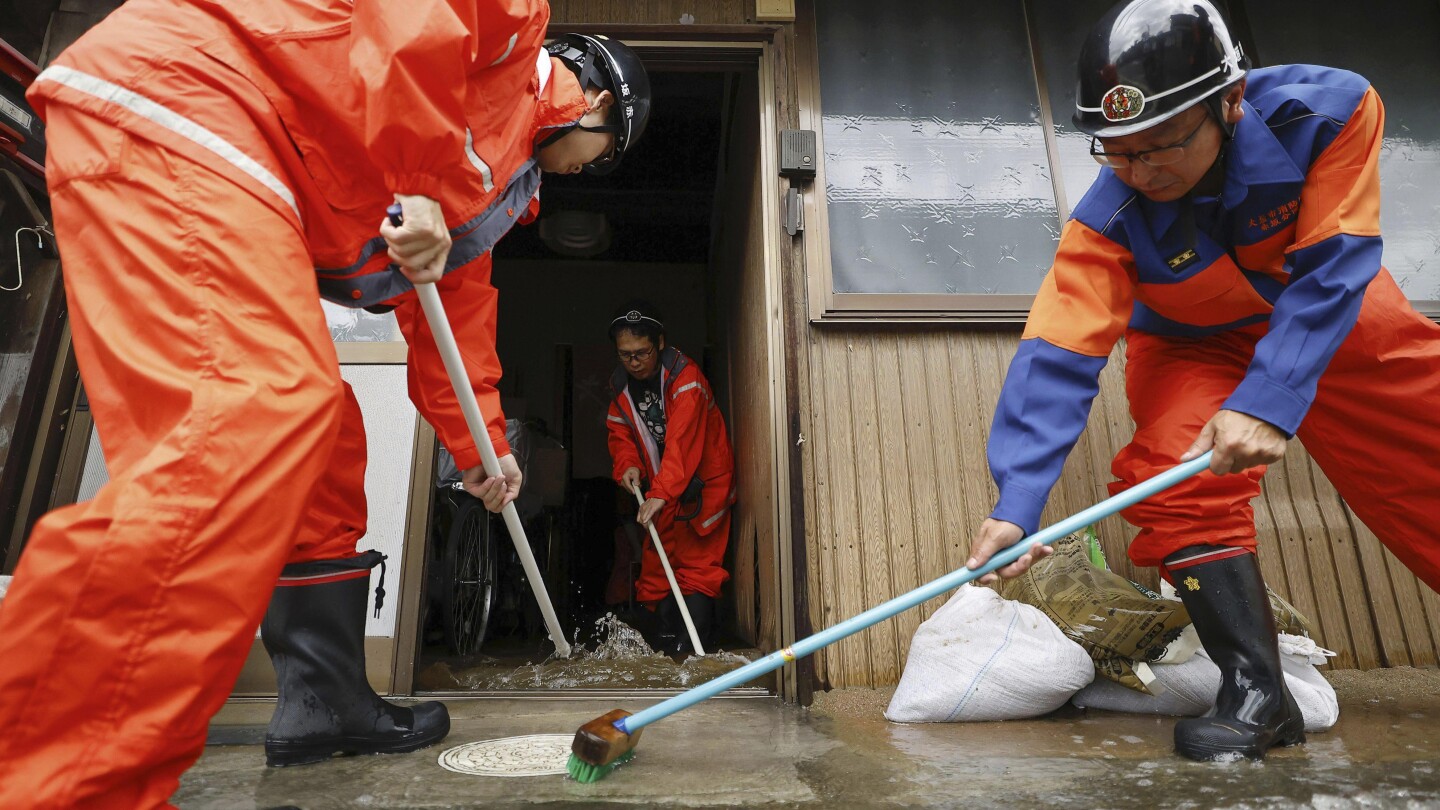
(465, 584)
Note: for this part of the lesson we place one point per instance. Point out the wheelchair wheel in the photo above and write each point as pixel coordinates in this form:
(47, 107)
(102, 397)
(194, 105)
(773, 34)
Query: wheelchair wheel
(468, 591)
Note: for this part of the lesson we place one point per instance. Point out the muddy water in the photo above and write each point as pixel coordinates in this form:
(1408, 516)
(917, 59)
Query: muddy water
(1384, 752)
(619, 659)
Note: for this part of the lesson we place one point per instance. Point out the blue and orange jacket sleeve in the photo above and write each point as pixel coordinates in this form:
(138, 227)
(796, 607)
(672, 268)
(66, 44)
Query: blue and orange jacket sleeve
(1335, 256)
(411, 62)
(686, 411)
(1080, 312)
(471, 305)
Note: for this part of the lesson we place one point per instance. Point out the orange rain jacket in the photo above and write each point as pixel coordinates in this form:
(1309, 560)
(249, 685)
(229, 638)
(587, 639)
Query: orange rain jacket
(697, 449)
(445, 100)
(696, 445)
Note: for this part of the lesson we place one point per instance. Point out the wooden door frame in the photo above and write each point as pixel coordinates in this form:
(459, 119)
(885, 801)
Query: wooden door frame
(757, 49)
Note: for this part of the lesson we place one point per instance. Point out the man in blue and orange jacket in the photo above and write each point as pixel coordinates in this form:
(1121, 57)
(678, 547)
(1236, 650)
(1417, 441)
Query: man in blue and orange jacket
(1234, 241)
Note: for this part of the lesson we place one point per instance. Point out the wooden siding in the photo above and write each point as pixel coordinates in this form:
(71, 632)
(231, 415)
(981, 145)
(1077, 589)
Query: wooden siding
(891, 428)
(653, 12)
(895, 424)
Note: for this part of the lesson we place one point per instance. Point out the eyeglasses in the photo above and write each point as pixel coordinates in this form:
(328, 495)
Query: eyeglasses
(609, 156)
(1163, 156)
(614, 151)
(640, 356)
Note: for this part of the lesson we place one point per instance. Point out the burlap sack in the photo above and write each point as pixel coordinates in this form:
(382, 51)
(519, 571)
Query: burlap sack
(1117, 621)
(1288, 620)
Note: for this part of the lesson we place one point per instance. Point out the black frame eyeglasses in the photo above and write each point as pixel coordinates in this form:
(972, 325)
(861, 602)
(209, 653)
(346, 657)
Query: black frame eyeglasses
(613, 153)
(1161, 156)
(637, 356)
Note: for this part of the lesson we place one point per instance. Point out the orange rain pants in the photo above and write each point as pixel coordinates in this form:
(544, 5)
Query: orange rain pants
(1374, 428)
(216, 391)
(697, 560)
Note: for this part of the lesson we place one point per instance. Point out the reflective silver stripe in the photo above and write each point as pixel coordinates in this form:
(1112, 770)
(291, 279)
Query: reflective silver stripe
(686, 387)
(171, 120)
(355, 573)
(1192, 559)
(1113, 216)
(619, 419)
(508, 48)
(714, 518)
(542, 66)
(1232, 61)
(480, 165)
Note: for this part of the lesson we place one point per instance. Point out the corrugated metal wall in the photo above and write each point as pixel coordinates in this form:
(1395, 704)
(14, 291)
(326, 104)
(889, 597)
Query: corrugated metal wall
(896, 480)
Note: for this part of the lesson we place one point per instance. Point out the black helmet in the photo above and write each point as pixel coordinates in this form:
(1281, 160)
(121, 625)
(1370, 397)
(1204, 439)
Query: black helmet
(1146, 61)
(605, 63)
(641, 317)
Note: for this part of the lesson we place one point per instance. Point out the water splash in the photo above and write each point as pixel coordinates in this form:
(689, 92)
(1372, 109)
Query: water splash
(618, 641)
(620, 660)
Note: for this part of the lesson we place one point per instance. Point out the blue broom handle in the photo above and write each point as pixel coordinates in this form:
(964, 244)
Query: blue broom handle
(877, 614)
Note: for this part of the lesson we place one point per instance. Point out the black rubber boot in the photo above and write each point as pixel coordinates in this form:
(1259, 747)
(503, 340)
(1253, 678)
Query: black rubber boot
(671, 627)
(1254, 711)
(315, 634)
(674, 637)
(702, 613)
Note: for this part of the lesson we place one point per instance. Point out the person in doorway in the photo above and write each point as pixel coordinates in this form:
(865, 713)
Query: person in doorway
(1233, 239)
(212, 167)
(668, 440)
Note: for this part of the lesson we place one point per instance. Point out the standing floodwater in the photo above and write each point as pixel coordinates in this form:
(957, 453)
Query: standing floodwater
(620, 659)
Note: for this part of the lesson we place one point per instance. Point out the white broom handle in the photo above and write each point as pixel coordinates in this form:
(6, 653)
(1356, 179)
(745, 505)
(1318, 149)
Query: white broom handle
(445, 340)
(670, 575)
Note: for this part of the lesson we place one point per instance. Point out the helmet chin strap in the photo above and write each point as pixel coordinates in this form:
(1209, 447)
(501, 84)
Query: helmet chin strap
(1213, 179)
(558, 133)
(1216, 105)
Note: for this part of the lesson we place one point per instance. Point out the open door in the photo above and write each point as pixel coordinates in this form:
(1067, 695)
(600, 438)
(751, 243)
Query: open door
(691, 224)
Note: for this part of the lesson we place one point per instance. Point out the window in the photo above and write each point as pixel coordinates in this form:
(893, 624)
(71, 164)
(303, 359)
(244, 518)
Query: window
(941, 195)
(1394, 48)
(949, 161)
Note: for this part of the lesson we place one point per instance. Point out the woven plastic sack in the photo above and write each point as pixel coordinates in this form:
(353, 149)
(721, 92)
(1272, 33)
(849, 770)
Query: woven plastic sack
(980, 657)
(1299, 657)
(1188, 689)
(1181, 690)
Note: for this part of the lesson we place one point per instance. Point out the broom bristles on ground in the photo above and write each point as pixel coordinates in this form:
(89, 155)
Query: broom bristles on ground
(584, 772)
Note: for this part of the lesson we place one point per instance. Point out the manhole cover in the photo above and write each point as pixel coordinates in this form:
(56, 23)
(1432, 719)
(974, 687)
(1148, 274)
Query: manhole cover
(531, 755)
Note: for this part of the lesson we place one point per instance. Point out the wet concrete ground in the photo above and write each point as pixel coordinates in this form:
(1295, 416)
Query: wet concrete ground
(1385, 752)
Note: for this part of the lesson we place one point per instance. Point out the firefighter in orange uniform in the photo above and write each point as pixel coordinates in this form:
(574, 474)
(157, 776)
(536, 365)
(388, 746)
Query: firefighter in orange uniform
(1233, 239)
(215, 169)
(667, 438)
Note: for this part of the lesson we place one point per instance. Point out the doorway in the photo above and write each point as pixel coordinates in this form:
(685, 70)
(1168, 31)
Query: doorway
(692, 223)
(682, 225)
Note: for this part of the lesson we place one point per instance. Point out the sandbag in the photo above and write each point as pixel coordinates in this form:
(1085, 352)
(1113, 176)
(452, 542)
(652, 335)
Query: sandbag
(981, 657)
(1299, 657)
(1188, 689)
(1181, 690)
(1121, 624)
(1288, 619)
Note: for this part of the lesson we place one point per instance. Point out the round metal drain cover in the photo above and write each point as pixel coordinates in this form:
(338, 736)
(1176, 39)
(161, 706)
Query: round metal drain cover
(531, 755)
